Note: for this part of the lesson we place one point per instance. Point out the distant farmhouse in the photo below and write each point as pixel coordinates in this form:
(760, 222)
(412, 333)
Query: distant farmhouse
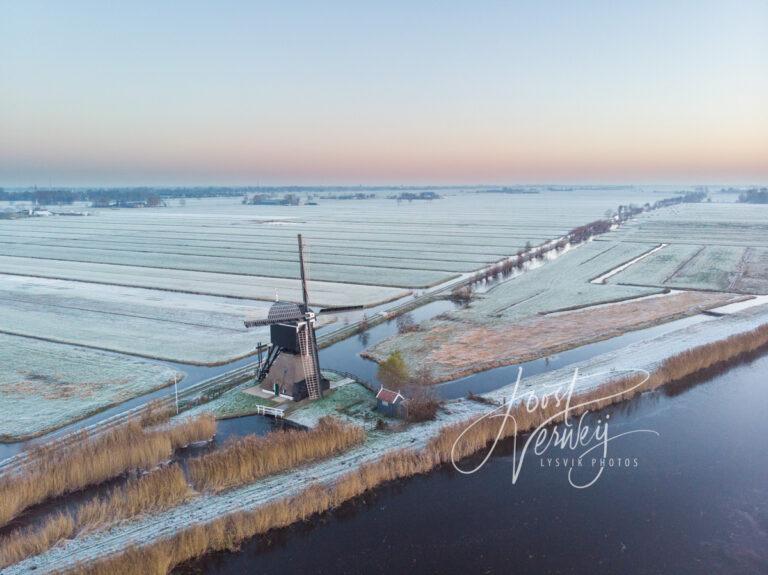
(410, 196)
(108, 202)
(270, 200)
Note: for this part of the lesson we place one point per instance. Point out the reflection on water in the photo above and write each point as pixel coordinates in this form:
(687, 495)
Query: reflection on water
(344, 355)
(697, 502)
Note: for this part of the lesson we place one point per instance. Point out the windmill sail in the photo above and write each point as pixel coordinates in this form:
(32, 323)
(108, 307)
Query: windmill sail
(307, 341)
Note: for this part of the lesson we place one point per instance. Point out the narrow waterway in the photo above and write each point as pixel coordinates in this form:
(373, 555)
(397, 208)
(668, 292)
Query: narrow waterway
(693, 499)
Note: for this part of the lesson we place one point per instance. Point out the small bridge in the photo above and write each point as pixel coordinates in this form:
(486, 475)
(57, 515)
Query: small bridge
(267, 410)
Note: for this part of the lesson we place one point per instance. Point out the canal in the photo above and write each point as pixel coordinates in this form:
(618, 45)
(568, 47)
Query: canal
(693, 499)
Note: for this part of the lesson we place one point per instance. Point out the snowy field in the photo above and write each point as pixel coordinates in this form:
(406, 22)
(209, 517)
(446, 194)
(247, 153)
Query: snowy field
(712, 246)
(175, 283)
(379, 242)
(44, 386)
(177, 327)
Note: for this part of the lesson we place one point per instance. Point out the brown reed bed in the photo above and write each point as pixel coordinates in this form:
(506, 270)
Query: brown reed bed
(31, 541)
(246, 459)
(199, 428)
(54, 470)
(155, 412)
(227, 532)
(154, 492)
(151, 493)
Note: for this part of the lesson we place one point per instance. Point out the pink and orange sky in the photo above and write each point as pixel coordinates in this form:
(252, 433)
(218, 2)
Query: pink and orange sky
(193, 93)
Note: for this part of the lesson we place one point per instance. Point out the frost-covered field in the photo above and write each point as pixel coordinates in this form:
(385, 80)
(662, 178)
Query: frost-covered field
(562, 283)
(173, 326)
(203, 283)
(175, 283)
(713, 247)
(373, 242)
(721, 224)
(44, 386)
(717, 246)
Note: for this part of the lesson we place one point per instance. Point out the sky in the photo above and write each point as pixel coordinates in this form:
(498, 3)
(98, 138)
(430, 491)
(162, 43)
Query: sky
(347, 93)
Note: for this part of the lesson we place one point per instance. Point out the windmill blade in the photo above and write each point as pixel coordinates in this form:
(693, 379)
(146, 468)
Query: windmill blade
(258, 322)
(340, 308)
(304, 293)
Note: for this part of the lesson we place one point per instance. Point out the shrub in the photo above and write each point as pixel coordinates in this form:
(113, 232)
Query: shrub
(392, 372)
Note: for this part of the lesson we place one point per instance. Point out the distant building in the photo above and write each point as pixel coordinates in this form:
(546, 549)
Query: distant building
(13, 214)
(151, 202)
(410, 196)
(389, 403)
(269, 200)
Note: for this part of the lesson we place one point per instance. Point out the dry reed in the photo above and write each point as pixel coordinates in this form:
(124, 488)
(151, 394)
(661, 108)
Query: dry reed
(155, 413)
(193, 429)
(248, 458)
(24, 543)
(153, 492)
(54, 471)
(227, 532)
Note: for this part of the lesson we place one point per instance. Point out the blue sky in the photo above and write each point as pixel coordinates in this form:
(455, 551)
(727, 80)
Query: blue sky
(101, 93)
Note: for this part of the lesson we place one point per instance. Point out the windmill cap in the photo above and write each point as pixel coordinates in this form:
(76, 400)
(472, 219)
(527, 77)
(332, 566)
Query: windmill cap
(285, 310)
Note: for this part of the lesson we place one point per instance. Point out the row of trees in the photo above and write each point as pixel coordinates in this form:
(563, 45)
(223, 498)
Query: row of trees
(269, 199)
(754, 196)
(581, 234)
(43, 197)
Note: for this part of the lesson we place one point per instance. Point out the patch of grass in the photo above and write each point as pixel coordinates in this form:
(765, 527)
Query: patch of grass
(234, 403)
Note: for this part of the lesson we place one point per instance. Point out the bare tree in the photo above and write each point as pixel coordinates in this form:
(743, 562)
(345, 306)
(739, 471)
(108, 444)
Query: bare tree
(405, 323)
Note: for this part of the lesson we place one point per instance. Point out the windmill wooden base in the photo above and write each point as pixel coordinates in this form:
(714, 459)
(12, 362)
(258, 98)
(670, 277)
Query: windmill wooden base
(286, 378)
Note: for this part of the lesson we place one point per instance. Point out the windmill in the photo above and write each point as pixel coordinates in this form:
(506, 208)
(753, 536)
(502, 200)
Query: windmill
(292, 365)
